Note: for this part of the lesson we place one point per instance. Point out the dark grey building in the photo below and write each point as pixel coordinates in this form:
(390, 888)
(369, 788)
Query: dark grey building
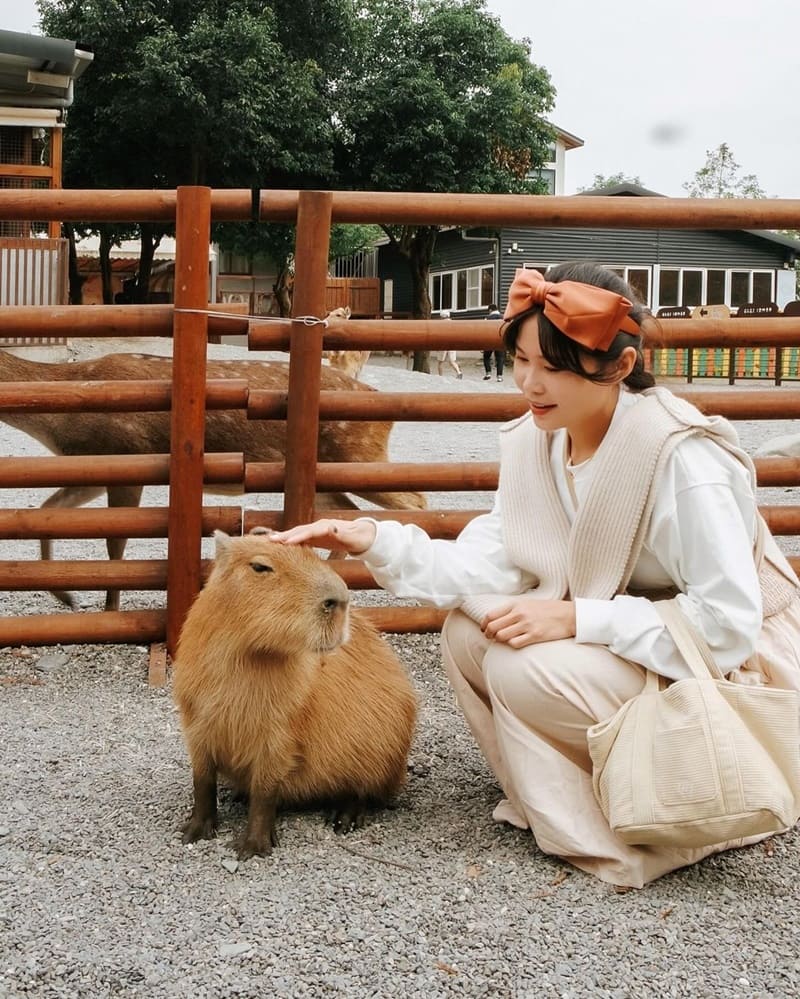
(474, 267)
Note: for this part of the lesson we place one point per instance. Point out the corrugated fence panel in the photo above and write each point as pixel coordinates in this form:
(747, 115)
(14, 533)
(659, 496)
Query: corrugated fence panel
(33, 272)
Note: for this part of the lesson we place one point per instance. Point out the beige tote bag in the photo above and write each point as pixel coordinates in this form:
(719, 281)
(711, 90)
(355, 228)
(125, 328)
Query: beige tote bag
(701, 762)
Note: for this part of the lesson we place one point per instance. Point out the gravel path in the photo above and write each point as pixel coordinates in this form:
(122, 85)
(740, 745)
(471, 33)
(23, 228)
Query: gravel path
(432, 898)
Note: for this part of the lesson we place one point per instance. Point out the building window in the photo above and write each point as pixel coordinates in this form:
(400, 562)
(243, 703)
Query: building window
(762, 288)
(740, 288)
(670, 288)
(715, 288)
(548, 175)
(470, 288)
(639, 280)
(681, 287)
(692, 292)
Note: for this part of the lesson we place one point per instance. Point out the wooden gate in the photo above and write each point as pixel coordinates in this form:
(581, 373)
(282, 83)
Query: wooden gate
(363, 295)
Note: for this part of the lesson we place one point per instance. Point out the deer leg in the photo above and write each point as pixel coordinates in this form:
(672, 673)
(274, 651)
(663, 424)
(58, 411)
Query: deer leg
(66, 497)
(119, 496)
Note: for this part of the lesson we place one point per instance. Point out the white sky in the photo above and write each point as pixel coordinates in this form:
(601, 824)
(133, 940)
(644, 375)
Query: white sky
(650, 85)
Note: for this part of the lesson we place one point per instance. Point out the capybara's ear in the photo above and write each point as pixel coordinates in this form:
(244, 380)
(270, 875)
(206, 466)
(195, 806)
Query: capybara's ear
(222, 544)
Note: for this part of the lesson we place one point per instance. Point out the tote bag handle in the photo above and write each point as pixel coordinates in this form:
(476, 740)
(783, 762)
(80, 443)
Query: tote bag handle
(689, 642)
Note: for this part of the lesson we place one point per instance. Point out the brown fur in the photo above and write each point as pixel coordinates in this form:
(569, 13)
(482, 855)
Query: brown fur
(285, 691)
(149, 433)
(351, 362)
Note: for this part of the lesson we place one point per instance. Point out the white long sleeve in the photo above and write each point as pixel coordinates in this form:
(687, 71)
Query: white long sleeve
(700, 540)
(408, 563)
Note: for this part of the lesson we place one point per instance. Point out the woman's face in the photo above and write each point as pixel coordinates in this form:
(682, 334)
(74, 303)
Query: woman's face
(558, 398)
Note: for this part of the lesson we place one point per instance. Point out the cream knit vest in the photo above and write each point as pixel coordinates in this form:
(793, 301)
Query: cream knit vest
(595, 557)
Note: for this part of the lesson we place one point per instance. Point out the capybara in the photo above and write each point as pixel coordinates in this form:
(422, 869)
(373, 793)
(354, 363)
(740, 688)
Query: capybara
(287, 693)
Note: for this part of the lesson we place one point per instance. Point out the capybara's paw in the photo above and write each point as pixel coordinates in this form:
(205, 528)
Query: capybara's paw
(347, 815)
(256, 846)
(199, 828)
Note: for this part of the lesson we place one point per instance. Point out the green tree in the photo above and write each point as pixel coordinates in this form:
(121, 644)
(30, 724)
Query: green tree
(398, 95)
(612, 180)
(226, 94)
(275, 242)
(720, 177)
(437, 97)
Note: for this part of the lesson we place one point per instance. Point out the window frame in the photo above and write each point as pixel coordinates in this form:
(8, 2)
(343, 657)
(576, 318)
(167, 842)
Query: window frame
(470, 279)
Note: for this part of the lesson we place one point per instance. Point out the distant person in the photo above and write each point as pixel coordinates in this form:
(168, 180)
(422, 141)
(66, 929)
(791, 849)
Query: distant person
(499, 355)
(448, 356)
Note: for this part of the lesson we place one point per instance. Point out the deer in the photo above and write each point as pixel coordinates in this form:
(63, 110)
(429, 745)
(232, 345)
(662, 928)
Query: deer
(350, 361)
(149, 433)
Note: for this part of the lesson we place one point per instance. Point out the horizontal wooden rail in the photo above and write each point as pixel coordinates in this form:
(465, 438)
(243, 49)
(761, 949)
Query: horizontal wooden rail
(406, 620)
(265, 404)
(145, 626)
(84, 574)
(267, 477)
(98, 322)
(117, 206)
(335, 476)
(481, 334)
(422, 208)
(134, 396)
(101, 321)
(778, 471)
(102, 522)
(117, 627)
(111, 469)
(415, 208)
(751, 404)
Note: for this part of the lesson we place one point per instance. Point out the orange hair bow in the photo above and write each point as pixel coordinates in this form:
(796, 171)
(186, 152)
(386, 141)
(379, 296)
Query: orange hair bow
(585, 313)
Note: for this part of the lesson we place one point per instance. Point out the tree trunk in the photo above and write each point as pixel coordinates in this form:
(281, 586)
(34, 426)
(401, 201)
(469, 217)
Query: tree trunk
(75, 279)
(418, 245)
(105, 265)
(149, 243)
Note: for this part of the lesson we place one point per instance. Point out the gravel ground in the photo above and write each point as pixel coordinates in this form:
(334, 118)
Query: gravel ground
(99, 898)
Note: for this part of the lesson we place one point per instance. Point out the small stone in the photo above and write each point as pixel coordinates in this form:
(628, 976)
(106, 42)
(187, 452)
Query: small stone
(234, 949)
(51, 661)
(230, 865)
(4, 831)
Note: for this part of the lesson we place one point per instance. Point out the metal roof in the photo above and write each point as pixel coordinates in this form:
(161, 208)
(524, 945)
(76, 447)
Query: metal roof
(635, 191)
(39, 72)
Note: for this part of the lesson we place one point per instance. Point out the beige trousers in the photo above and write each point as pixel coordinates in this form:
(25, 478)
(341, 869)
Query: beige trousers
(529, 710)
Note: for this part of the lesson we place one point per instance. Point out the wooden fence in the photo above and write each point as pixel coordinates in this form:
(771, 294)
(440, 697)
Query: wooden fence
(189, 395)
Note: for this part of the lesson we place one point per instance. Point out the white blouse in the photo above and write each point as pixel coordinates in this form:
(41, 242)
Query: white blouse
(700, 539)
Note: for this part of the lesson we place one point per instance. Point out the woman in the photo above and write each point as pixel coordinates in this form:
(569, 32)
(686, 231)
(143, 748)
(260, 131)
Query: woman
(613, 493)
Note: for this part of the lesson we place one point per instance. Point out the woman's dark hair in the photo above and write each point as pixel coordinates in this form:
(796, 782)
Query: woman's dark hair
(567, 355)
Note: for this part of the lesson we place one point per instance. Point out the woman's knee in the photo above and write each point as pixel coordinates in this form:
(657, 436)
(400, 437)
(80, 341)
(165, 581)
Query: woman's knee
(463, 647)
(533, 675)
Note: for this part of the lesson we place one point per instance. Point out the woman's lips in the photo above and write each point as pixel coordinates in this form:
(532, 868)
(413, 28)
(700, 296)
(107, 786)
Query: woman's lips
(540, 410)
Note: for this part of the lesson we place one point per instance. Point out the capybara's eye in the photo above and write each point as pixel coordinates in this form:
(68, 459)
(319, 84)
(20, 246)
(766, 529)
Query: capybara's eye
(261, 567)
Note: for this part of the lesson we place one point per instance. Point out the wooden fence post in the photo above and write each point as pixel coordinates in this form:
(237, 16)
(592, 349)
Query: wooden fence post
(187, 431)
(302, 414)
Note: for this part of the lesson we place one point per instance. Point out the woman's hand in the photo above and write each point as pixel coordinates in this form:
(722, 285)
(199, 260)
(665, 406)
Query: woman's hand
(351, 536)
(526, 621)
